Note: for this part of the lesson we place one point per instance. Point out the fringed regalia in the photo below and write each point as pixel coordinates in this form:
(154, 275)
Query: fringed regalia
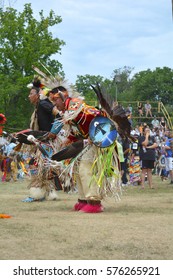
(134, 169)
(96, 169)
(42, 180)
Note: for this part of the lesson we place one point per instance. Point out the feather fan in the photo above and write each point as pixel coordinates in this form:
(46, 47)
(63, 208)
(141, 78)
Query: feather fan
(71, 151)
(21, 136)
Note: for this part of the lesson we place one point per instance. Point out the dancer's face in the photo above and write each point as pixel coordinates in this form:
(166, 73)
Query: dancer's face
(59, 104)
(33, 96)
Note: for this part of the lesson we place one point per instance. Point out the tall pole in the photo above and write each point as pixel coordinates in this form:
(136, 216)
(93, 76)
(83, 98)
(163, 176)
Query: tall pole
(116, 92)
(117, 79)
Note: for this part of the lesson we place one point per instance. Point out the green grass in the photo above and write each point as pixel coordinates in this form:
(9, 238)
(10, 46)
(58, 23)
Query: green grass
(140, 226)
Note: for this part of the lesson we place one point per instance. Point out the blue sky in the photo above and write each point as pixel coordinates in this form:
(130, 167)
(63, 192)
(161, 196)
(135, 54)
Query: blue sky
(102, 36)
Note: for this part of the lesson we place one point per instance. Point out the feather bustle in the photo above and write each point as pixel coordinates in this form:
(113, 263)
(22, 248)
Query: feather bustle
(117, 114)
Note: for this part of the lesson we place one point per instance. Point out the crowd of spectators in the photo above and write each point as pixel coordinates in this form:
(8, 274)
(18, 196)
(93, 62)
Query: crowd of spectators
(13, 165)
(159, 148)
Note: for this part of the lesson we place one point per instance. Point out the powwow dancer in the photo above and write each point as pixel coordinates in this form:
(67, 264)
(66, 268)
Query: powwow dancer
(43, 143)
(97, 172)
(44, 184)
(134, 163)
(3, 143)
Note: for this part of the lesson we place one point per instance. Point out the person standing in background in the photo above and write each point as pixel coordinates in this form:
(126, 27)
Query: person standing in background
(126, 151)
(147, 146)
(169, 155)
(155, 122)
(134, 163)
(163, 124)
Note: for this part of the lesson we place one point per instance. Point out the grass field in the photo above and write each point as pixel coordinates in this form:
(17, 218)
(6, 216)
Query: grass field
(140, 226)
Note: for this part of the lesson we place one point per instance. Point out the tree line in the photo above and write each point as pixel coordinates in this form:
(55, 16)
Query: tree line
(25, 41)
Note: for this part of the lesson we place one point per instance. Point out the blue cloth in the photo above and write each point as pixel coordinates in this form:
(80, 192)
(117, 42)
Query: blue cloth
(31, 199)
(28, 199)
(169, 152)
(56, 127)
(9, 148)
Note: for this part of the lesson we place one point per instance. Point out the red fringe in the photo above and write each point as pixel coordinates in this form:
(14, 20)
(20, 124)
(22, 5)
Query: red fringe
(78, 206)
(88, 208)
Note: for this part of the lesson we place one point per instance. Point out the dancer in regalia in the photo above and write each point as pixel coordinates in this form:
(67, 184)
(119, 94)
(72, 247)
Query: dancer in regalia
(97, 172)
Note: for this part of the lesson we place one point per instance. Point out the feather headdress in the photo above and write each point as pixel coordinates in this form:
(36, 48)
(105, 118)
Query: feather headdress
(52, 82)
(37, 82)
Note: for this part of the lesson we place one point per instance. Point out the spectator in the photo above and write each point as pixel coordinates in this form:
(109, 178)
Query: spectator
(169, 155)
(148, 109)
(141, 126)
(126, 151)
(121, 161)
(147, 146)
(130, 108)
(162, 166)
(163, 123)
(128, 111)
(136, 130)
(134, 163)
(153, 132)
(140, 109)
(155, 123)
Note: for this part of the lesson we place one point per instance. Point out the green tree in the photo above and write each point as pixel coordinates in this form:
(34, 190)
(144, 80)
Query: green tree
(156, 85)
(24, 41)
(83, 85)
(121, 84)
(118, 86)
(121, 76)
